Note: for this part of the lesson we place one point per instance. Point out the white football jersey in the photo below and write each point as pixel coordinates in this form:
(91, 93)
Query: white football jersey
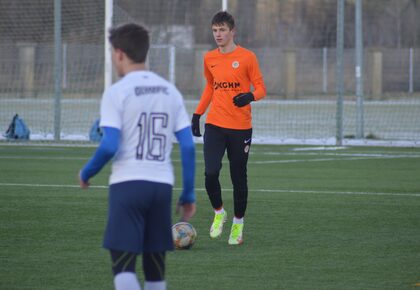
(148, 110)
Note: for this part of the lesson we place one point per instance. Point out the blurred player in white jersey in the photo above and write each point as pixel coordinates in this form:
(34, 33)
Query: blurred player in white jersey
(139, 116)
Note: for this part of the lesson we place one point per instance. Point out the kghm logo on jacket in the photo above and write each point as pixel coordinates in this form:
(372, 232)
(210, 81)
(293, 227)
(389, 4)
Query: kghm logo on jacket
(226, 85)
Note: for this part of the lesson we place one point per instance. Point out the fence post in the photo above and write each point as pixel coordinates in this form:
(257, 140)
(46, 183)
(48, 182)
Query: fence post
(27, 69)
(172, 64)
(224, 5)
(359, 71)
(325, 70)
(58, 69)
(410, 85)
(340, 72)
(290, 73)
(108, 71)
(377, 59)
(64, 61)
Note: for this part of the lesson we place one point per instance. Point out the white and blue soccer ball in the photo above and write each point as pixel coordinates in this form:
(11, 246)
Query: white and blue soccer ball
(184, 235)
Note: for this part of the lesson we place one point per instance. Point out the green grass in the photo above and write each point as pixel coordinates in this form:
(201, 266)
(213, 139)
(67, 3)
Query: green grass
(316, 219)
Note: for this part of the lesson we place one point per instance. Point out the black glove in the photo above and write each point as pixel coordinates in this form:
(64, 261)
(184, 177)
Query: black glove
(243, 99)
(195, 125)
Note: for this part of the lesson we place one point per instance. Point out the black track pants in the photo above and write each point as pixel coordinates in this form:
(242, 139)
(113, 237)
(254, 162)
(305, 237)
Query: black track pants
(237, 144)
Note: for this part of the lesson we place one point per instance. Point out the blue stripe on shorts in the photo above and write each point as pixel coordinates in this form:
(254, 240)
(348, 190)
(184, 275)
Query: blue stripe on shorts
(139, 217)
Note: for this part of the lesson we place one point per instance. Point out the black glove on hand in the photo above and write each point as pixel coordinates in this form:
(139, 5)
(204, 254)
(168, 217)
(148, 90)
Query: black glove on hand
(243, 99)
(195, 125)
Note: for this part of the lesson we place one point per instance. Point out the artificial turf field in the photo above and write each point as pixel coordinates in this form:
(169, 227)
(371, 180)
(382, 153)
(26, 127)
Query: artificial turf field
(317, 218)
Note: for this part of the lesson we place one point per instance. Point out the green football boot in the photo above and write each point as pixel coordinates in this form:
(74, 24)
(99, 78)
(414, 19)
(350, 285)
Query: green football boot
(216, 228)
(235, 237)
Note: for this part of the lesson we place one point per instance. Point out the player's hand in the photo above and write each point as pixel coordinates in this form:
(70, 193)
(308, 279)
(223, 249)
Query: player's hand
(195, 125)
(243, 99)
(187, 210)
(83, 184)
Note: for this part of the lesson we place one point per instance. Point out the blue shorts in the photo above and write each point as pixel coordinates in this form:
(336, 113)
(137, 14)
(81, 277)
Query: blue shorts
(139, 217)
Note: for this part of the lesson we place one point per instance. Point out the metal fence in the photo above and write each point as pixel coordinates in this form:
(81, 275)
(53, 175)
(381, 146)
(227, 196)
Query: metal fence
(295, 42)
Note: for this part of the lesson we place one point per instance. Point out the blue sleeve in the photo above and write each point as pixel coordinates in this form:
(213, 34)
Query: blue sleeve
(187, 148)
(106, 150)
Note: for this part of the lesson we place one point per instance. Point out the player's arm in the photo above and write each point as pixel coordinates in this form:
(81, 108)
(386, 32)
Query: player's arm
(106, 150)
(257, 81)
(204, 102)
(187, 197)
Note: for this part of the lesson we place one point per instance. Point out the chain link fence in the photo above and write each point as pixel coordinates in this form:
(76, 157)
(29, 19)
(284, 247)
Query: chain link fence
(295, 42)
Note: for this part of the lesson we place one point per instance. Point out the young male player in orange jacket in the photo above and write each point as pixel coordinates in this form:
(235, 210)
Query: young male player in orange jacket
(229, 70)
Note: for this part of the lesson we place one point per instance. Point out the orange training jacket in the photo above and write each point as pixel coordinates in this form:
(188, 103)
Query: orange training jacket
(229, 74)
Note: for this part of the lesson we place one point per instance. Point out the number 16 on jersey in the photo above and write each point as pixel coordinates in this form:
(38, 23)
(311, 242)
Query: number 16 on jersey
(150, 129)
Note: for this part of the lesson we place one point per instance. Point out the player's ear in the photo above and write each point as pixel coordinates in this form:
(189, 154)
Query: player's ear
(120, 54)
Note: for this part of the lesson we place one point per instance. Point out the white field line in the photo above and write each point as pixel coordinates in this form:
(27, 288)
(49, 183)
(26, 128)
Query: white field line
(374, 154)
(414, 194)
(342, 156)
(345, 158)
(44, 158)
(319, 148)
(308, 160)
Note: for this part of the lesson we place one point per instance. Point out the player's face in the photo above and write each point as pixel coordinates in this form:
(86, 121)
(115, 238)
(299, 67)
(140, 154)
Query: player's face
(222, 34)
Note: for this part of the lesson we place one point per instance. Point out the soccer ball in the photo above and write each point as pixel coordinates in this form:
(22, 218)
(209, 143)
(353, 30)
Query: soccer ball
(184, 235)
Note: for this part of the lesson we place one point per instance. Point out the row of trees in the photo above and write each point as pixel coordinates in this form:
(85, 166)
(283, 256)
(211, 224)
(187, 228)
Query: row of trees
(280, 23)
